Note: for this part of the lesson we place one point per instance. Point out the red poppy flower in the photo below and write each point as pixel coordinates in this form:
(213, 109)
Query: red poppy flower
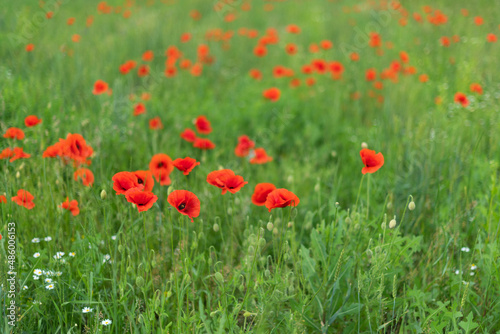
(148, 55)
(295, 82)
(256, 74)
(30, 47)
(128, 66)
(3, 199)
(139, 109)
(370, 75)
(354, 56)
(155, 123)
(143, 70)
(313, 48)
(71, 206)
(188, 135)
(75, 148)
(185, 165)
(14, 133)
(280, 198)
(291, 48)
(375, 40)
(445, 41)
(32, 120)
(319, 65)
(234, 183)
(478, 20)
(326, 44)
(185, 37)
(145, 178)
(218, 178)
(18, 153)
(161, 166)
(273, 94)
(85, 175)
(124, 181)
(70, 21)
(185, 202)
(260, 193)
(307, 69)
(54, 150)
(24, 198)
(371, 160)
(203, 144)
(203, 125)
(492, 38)
(142, 199)
(462, 99)
(309, 81)
(475, 87)
(100, 87)
(260, 51)
(6, 153)
(293, 29)
(260, 156)
(244, 146)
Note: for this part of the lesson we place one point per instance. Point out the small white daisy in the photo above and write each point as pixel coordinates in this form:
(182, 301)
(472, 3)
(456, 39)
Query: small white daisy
(35, 277)
(472, 273)
(473, 267)
(10, 272)
(37, 272)
(49, 287)
(48, 280)
(113, 237)
(106, 322)
(465, 249)
(35, 240)
(72, 254)
(58, 255)
(458, 272)
(86, 310)
(107, 257)
(36, 255)
(62, 261)
(25, 287)
(58, 273)
(48, 238)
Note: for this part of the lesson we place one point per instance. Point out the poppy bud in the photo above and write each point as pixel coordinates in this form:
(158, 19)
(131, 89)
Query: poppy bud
(290, 179)
(389, 205)
(139, 281)
(392, 223)
(120, 248)
(369, 253)
(364, 145)
(216, 227)
(219, 278)
(383, 225)
(251, 249)
(247, 314)
(18, 175)
(241, 288)
(275, 231)
(103, 194)
(270, 226)
(411, 206)
(348, 220)
(290, 224)
(169, 294)
(316, 187)
(262, 242)
(267, 273)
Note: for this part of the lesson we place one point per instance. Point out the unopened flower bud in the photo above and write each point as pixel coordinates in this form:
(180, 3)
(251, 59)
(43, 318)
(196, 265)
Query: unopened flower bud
(270, 226)
(411, 206)
(290, 224)
(139, 281)
(392, 223)
(103, 194)
(364, 145)
(216, 227)
(219, 278)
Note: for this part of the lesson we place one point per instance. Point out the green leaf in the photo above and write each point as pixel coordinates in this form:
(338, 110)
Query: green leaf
(469, 325)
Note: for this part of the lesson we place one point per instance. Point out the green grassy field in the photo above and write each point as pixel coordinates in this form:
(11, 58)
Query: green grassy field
(335, 262)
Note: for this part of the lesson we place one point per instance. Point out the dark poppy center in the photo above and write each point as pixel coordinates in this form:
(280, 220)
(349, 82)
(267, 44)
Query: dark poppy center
(140, 181)
(182, 206)
(160, 165)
